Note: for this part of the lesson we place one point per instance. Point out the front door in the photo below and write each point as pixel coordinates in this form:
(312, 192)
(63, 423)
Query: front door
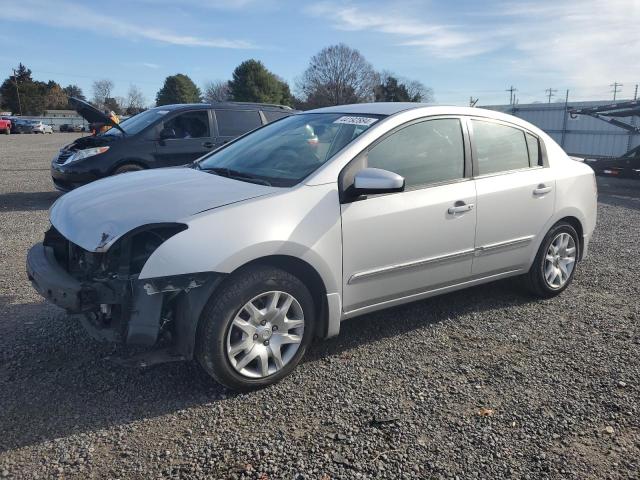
(516, 195)
(400, 244)
(190, 138)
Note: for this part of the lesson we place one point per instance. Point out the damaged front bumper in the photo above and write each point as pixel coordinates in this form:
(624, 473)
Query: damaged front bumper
(121, 307)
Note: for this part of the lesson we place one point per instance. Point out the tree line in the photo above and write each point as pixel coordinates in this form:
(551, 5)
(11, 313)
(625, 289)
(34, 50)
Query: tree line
(336, 75)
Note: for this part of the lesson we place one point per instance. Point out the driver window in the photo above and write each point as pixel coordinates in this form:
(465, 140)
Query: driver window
(189, 125)
(427, 152)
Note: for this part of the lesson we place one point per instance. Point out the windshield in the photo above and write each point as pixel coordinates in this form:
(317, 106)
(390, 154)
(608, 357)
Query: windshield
(139, 122)
(284, 152)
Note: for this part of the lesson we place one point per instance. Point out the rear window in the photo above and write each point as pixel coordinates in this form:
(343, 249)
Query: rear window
(232, 123)
(272, 116)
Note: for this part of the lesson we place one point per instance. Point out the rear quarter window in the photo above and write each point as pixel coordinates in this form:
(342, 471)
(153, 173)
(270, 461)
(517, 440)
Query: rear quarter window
(232, 123)
(533, 144)
(272, 116)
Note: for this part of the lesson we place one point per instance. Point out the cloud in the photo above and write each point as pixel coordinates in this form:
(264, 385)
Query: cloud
(70, 15)
(589, 42)
(584, 42)
(439, 39)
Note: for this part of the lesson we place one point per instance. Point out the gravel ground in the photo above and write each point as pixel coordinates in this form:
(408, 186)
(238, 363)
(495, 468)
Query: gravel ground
(485, 383)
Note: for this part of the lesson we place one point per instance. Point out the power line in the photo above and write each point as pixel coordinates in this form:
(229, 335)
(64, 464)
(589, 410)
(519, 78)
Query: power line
(615, 90)
(551, 93)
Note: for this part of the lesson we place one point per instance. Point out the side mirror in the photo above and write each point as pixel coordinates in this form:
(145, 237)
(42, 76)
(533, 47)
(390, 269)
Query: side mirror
(377, 180)
(166, 133)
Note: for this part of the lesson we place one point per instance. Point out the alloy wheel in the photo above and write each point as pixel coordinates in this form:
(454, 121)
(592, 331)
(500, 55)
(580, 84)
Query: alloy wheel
(265, 334)
(560, 260)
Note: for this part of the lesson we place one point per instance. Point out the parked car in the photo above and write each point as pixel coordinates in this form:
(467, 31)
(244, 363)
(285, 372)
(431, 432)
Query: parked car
(69, 127)
(625, 166)
(242, 258)
(5, 125)
(38, 127)
(19, 125)
(159, 137)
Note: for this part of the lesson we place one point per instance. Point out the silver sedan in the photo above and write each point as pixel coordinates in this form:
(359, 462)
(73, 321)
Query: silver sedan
(241, 258)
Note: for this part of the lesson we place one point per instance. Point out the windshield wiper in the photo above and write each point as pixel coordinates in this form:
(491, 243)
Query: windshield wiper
(235, 174)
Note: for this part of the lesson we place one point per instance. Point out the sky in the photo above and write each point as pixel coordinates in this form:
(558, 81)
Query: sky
(459, 48)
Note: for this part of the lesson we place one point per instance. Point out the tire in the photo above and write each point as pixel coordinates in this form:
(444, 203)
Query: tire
(536, 280)
(128, 167)
(218, 333)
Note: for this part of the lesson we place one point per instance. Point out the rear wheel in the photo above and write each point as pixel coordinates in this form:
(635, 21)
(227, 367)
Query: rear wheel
(127, 167)
(555, 264)
(256, 328)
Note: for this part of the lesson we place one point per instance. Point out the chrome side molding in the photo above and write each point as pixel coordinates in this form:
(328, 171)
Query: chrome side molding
(450, 257)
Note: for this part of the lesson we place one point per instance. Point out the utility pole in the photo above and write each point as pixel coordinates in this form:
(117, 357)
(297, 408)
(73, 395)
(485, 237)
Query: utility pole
(473, 101)
(15, 80)
(615, 90)
(511, 91)
(550, 93)
(564, 120)
(635, 94)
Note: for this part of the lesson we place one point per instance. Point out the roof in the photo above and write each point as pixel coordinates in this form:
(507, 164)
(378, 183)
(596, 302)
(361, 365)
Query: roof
(377, 108)
(228, 105)
(426, 109)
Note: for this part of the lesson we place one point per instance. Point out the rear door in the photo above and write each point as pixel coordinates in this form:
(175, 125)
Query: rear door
(233, 123)
(191, 138)
(516, 194)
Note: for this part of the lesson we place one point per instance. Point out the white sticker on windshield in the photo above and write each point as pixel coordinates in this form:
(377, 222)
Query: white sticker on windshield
(357, 120)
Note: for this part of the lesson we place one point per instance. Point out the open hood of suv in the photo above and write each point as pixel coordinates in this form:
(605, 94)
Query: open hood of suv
(96, 215)
(91, 114)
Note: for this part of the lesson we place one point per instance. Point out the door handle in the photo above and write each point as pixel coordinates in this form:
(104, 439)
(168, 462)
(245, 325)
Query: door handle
(541, 189)
(460, 207)
(207, 144)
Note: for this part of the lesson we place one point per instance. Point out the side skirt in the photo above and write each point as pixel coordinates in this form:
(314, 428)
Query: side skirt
(430, 293)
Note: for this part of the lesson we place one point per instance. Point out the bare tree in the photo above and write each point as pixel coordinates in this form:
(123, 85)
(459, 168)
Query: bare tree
(216, 91)
(101, 91)
(136, 101)
(418, 92)
(337, 75)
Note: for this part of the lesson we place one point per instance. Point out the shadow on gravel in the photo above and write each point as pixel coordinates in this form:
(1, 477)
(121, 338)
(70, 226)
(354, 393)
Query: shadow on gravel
(620, 201)
(27, 201)
(413, 316)
(55, 381)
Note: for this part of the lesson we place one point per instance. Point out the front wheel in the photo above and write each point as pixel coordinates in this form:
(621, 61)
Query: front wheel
(555, 264)
(256, 328)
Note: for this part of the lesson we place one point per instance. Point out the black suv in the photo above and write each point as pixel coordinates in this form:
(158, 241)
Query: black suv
(165, 136)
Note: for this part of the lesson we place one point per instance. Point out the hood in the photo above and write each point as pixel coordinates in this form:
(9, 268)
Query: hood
(91, 114)
(96, 215)
(91, 141)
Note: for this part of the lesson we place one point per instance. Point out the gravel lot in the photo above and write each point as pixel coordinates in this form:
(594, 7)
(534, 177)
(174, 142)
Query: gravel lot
(485, 383)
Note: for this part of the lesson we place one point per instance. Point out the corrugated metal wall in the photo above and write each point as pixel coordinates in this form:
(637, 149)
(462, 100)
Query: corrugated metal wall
(581, 136)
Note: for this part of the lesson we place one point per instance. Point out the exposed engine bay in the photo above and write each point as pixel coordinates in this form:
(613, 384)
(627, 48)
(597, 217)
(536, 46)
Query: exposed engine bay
(105, 291)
